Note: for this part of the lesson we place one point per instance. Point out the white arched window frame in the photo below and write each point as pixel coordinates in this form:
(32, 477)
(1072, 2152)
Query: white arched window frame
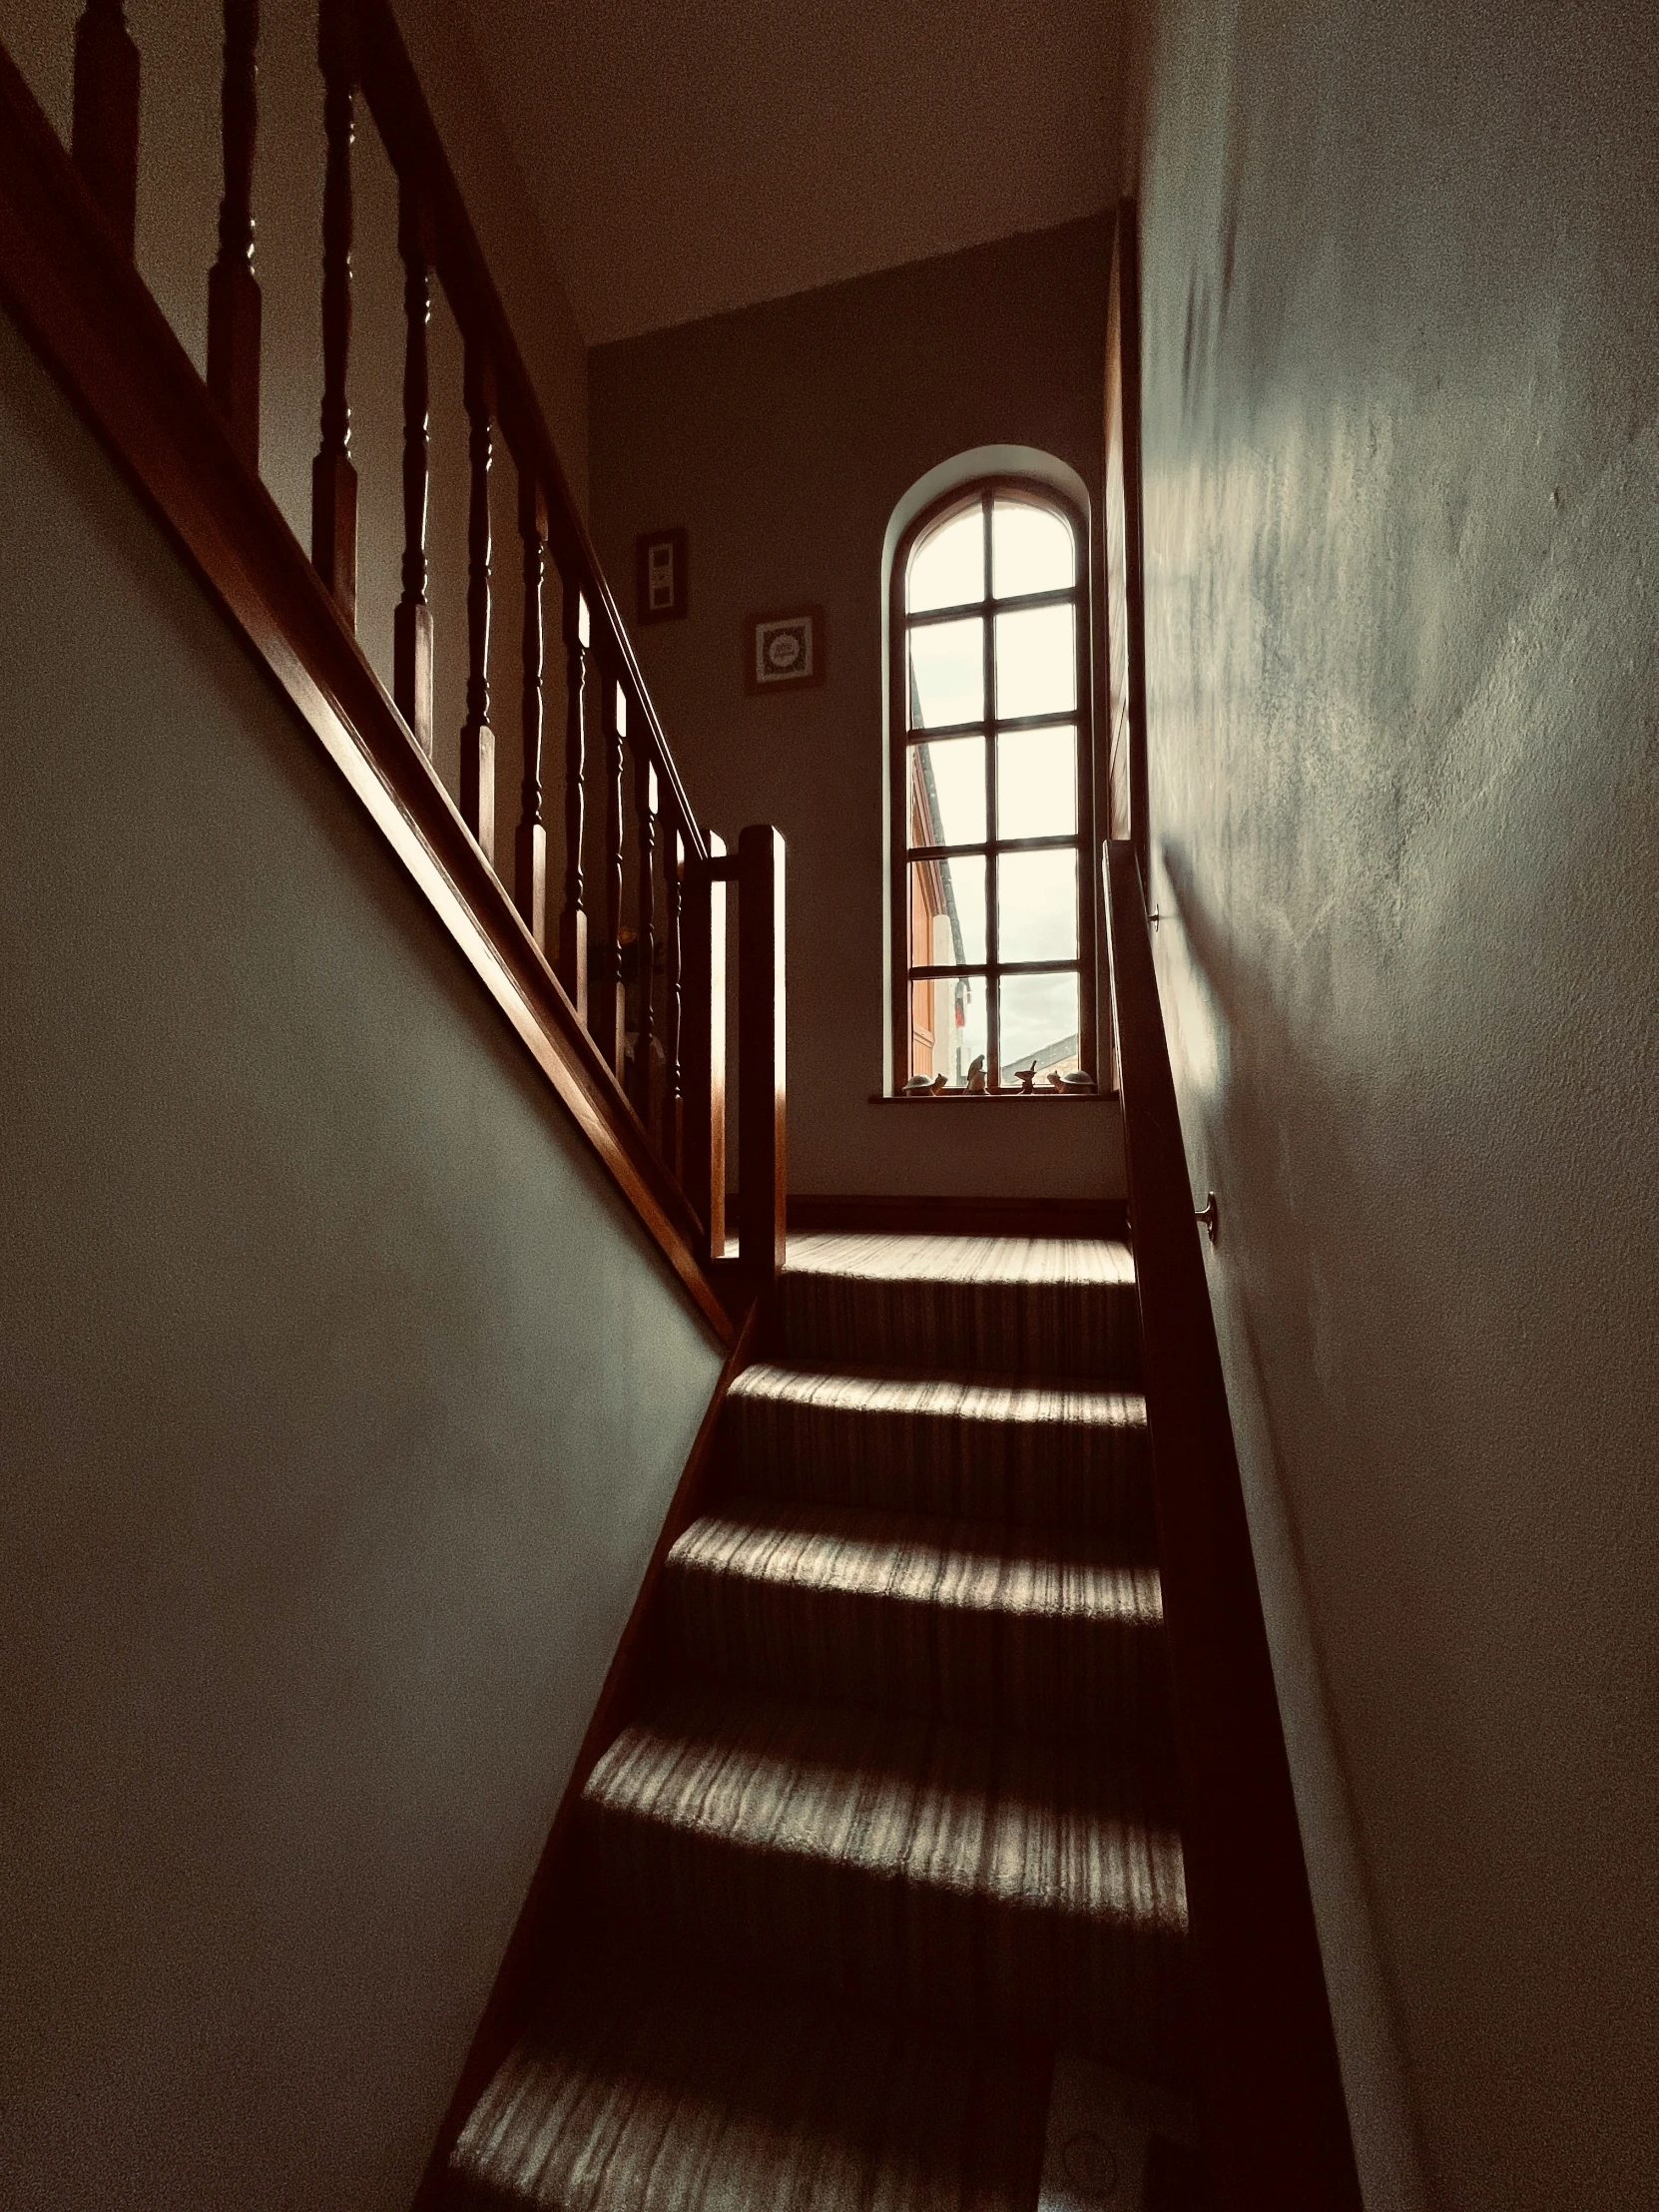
(993, 902)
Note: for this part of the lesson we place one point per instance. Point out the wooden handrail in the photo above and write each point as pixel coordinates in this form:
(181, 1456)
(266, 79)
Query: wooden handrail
(1274, 2121)
(67, 275)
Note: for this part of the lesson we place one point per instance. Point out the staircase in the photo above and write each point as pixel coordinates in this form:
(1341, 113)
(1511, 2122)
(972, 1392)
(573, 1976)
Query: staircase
(895, 1820)
(885, 1864)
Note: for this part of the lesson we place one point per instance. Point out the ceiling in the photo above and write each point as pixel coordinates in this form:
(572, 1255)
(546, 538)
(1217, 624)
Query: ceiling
(692, 158)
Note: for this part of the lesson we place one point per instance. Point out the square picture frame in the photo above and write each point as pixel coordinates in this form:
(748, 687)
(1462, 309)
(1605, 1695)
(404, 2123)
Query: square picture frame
(783, 651)
(662, 584)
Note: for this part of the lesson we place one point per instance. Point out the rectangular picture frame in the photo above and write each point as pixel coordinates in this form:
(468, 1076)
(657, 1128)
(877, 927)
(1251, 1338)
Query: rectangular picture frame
(662, 586)
(782, 651)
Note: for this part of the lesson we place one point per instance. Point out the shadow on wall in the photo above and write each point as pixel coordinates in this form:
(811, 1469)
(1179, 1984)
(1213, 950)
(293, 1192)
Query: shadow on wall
(1434, 1474)
(1255, 1050)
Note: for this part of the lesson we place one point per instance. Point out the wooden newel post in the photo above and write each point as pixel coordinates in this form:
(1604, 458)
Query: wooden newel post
(673, 985)
(233, 291)
(704, 956)
(763, 1180)
(105, 132)
(645, 941)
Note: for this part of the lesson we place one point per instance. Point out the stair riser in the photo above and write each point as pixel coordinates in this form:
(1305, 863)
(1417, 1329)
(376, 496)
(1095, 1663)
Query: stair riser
(786, 1920)
(1106, 1683)
(1036, 1475)
(1089, 1331)
(623, 2103)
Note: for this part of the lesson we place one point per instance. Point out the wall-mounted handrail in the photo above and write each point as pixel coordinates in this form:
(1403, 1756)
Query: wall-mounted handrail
(581, 987)
(1275, 2119)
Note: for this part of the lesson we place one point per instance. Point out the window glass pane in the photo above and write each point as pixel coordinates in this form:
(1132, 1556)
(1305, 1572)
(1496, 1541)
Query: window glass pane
(1039, 1025)
(947, 567)
(947, 913)
(947, 1026)
(1037, 905)
(947, 792)
(1036, 783)
(1032, 549)
(1036, 661)
(947, 673)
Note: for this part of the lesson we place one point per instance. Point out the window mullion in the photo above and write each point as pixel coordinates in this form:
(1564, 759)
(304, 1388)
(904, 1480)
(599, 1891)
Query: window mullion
(994, 1053)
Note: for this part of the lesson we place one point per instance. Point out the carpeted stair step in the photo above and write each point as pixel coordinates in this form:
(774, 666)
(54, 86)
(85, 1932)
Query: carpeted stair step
(1069, 1455)
(697, 2097)
(980, 1626)
(1033, 1306)
(1030, 1887)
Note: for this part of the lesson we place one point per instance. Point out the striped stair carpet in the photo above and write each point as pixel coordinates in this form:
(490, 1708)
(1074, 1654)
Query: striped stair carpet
(896, 1822)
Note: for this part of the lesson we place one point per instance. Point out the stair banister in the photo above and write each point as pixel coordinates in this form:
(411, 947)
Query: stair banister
(656, 1116)
(1275, 2119)
(392, 92)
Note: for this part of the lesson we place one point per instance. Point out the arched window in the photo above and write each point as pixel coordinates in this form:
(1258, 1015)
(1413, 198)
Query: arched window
(993, 907)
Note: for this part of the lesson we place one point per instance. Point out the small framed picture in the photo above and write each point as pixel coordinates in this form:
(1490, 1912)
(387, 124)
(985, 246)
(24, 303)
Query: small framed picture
(783, 652)
(660, 576)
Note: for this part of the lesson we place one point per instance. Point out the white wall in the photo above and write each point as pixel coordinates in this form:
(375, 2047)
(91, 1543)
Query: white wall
(1402, 477)
(783, 438)
(341, 1401)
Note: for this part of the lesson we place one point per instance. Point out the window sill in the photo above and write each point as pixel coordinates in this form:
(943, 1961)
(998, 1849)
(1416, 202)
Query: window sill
(994, 1098)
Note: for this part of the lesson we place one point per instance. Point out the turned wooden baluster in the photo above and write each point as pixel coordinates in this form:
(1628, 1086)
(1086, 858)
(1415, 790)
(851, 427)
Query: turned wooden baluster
(645, 808)
(477, 738)
(674, 865)
(412, 682)
(334, 478)
(233, 291)
(105, 132)
(610, 1019)
(573, 922)
(530, 844)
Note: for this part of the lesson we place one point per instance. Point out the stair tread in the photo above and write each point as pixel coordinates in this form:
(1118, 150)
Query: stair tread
(1006, 1402)
(948, 1871)
(1057, 1631)
(1042, 1821)
(919, 1559)
(1067, 1453)
(1016, 1306)
(682, 2095)
(885, 1258)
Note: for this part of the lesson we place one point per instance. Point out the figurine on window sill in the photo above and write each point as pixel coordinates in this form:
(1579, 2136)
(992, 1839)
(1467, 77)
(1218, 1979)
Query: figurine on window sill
(977, 1076)
(1027, 1080)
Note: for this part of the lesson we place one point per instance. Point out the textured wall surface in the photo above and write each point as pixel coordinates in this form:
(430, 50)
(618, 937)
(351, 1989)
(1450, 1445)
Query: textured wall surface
(341, 1401)
(1402, 351)
(783, 438)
